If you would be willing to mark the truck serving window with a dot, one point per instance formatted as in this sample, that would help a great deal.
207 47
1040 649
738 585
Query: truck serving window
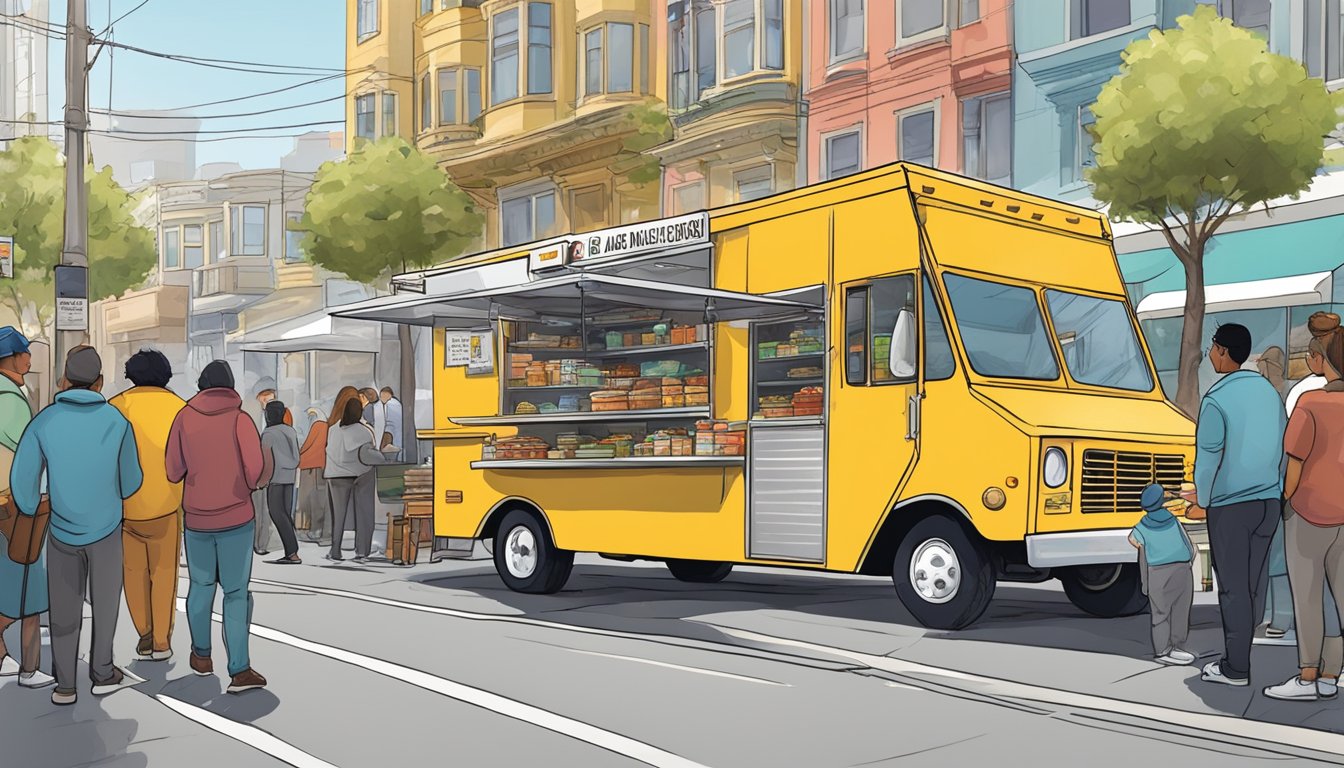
1002 329
1099 343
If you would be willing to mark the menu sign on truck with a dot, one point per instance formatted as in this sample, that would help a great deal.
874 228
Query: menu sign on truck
634 239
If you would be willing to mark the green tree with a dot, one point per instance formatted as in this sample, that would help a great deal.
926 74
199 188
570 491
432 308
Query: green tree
32 209
1202 121
387 208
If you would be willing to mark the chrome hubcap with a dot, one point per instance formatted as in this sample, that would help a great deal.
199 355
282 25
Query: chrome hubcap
521 552
935 572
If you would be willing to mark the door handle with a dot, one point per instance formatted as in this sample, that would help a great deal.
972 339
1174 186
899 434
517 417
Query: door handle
912 414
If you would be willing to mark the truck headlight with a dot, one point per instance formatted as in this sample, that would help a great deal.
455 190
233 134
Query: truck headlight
1055 468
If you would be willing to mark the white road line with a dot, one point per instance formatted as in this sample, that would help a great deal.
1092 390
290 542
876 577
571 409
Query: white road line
1260 731
247 734
696 670
502 705
1224 725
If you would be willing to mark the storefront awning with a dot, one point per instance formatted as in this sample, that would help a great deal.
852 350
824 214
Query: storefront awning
1293 291
314 332
415 309
569 295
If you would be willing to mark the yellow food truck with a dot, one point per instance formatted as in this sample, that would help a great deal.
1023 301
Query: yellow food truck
902 372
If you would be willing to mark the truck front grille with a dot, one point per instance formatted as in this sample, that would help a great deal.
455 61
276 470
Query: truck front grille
1112 481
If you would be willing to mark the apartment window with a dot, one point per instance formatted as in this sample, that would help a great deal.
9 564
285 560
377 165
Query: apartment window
538 47
473 94
753 183
367 19
968 11
1322 44
193 246
918 136
774 35
247 231
1094 17
218 247
921 19
844 154
1252 15
706 47
172 254
426 6
426 104
643 58
589 209
389 113
504 57
364 119
1083 155
846 29
293 238
447 97
688 198
620 58
678 55
592 62
739 37
986 133
527 217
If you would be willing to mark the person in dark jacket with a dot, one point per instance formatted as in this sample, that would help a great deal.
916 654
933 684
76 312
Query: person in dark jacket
280 452
214 447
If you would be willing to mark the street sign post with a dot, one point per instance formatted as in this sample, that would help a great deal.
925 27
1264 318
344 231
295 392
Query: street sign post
6 256
72 298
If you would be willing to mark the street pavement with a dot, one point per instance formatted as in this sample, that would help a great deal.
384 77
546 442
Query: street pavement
439 664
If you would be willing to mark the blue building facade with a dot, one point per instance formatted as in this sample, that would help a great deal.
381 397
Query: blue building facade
1268 270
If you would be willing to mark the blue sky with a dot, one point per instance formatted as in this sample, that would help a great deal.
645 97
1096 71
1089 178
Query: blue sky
294 32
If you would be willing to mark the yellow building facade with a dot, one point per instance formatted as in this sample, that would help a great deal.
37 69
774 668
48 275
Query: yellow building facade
541 111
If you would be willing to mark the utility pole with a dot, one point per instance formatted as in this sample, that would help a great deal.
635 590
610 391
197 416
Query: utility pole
71 279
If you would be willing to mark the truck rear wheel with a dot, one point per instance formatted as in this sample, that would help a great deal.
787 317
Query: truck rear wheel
699 571
943 575
526 556
1109 590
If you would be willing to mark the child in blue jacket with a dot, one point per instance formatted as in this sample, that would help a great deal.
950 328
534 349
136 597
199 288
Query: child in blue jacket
1165 559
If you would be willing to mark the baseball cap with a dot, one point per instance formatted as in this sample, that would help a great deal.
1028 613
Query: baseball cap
83 366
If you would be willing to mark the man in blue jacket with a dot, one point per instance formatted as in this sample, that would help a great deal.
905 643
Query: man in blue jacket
86 449
1238 453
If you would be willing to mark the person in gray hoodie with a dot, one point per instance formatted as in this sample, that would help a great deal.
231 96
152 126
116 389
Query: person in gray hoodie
280 454
351 457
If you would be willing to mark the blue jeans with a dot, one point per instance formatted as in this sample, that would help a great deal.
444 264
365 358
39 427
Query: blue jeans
223 558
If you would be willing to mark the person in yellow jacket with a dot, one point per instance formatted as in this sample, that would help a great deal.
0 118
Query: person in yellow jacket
152 531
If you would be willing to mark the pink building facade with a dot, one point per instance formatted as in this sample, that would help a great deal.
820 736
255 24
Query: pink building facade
927 81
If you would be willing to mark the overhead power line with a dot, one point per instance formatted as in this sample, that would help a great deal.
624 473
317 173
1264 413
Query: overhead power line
18 23
254 67
225 130
113 23
285 108
314 81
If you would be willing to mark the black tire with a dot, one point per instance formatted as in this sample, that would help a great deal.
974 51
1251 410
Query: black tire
1108 591
699 571
964 604
550 566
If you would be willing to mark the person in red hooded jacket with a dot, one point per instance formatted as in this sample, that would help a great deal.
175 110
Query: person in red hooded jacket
215 450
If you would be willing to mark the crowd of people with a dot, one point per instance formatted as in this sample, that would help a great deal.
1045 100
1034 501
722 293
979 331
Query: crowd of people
133 478
1268 478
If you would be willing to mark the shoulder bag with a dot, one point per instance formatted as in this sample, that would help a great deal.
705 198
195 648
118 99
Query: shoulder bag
25 533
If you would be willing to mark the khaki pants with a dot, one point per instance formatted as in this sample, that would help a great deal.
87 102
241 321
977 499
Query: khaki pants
1315 558
150 552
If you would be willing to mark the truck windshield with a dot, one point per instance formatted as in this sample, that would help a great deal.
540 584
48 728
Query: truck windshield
1099 342
1002 329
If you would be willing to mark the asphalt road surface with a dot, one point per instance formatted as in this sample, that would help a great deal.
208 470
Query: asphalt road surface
440 665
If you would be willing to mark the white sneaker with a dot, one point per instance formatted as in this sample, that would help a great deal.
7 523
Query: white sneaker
1176 658
38 679
1213 673
1294 689
161 655
9 667
1327 688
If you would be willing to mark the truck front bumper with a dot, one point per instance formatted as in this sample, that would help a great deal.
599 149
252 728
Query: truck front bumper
1057 550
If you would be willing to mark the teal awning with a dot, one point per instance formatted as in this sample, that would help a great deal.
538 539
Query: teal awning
1264 253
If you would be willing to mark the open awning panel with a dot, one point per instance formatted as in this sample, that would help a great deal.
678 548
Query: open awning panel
576 294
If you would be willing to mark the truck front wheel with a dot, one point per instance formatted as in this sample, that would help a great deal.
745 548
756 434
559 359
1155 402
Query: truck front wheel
943 575
526 557
1109 590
